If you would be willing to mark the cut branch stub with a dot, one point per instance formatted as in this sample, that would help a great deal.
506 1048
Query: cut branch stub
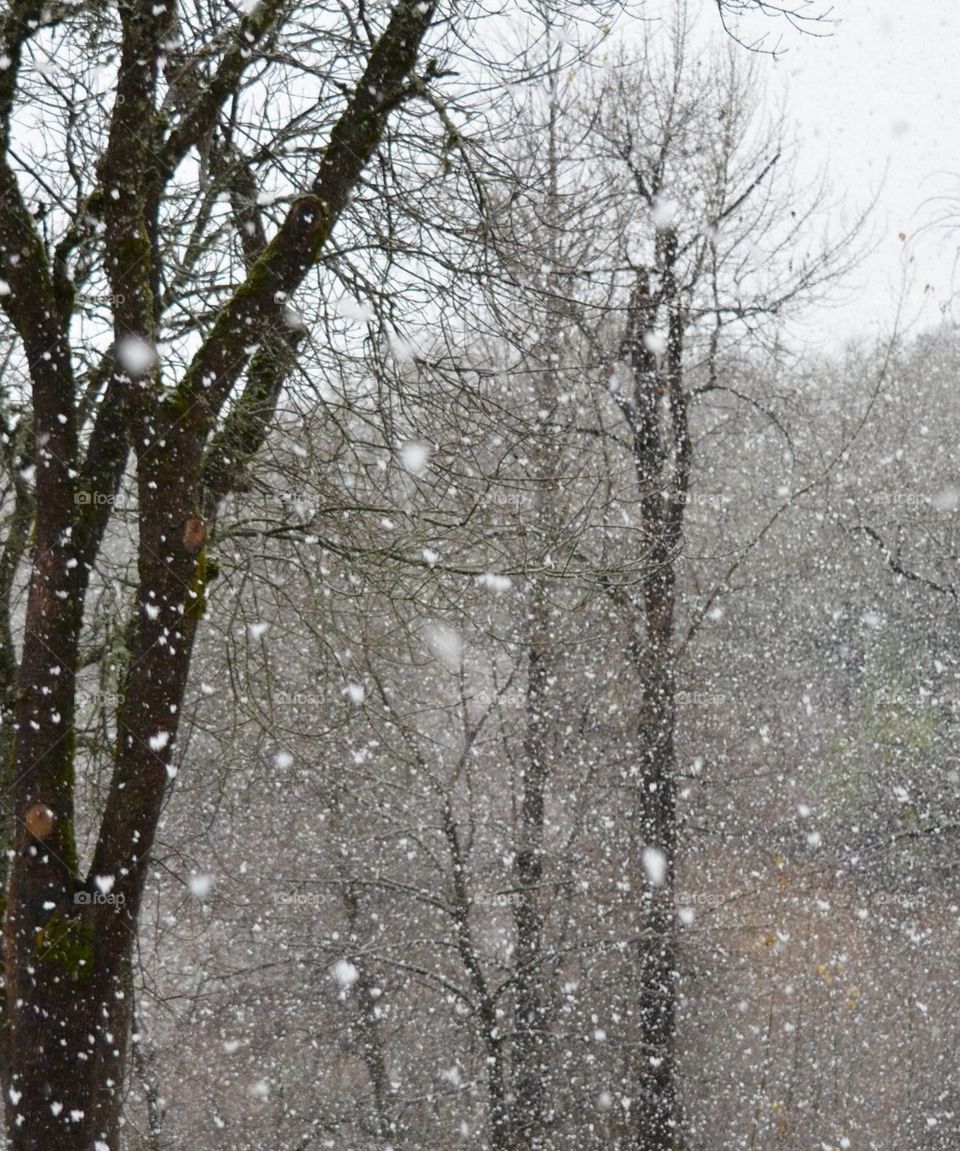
39 820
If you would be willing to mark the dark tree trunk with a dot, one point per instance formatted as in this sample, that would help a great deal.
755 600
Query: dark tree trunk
69 940
657 412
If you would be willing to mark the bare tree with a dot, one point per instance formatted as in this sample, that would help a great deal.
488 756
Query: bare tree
192 419
690 240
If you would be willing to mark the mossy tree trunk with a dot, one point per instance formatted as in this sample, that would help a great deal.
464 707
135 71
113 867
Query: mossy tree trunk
68 961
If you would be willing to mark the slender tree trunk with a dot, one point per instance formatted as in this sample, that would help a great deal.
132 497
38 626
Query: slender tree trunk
491 1033
661 461
531 1045
530 1007
371 1043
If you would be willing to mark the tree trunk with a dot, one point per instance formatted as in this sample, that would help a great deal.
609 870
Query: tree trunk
530 1007
69 941
661 463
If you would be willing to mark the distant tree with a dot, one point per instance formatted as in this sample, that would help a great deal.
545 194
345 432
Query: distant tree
666 231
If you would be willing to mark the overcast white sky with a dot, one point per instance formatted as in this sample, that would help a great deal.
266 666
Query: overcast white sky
877 103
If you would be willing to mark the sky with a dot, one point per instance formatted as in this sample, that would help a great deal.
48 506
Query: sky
875 103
